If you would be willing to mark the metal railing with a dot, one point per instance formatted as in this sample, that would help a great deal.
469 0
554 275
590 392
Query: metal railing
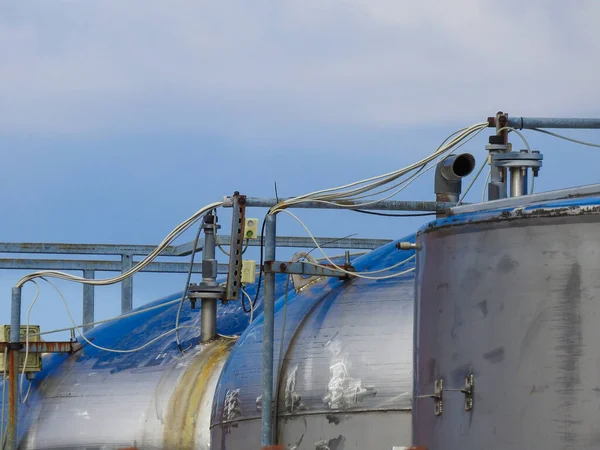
126 259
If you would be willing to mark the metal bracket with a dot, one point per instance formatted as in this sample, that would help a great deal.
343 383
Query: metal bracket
438 397
468 391
303 268
234 273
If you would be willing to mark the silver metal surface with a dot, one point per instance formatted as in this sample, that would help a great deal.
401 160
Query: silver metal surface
518 181
514 302
583 191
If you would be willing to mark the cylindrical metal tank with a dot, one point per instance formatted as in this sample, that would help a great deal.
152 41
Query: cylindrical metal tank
506 329
155 398
343 366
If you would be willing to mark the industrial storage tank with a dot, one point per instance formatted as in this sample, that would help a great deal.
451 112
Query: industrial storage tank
153 398
346 361
506 325
343 368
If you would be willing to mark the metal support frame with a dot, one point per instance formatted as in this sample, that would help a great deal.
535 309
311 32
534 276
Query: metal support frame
126 284
388 205
523 123
88 300
90 267
267 437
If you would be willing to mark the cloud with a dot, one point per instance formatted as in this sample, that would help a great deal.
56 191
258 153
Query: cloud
265 67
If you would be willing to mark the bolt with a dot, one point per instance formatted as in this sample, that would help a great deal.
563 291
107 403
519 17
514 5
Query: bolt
282 267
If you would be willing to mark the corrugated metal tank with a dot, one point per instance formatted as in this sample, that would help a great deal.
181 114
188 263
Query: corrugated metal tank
345 377
511 296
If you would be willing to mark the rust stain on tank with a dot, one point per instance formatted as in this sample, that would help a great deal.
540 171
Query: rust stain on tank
184 404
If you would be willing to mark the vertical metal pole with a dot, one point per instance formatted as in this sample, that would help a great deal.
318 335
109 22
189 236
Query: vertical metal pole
268 335
13 367
88 300
208 318
126 285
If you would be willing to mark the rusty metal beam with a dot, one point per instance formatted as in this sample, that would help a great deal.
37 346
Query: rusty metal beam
41 347
302 268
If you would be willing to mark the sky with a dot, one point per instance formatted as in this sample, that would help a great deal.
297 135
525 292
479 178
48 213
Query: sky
118 120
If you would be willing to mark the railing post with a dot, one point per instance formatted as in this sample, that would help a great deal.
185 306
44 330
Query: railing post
126 285
13 366
88 300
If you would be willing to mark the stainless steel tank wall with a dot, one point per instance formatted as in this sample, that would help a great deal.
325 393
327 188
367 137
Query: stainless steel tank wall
152 398
514 299
345 379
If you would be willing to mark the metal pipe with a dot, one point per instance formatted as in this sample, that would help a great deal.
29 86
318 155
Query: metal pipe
558 122
208 319
268 335
518 181
126 285
389 205
88 300
13 365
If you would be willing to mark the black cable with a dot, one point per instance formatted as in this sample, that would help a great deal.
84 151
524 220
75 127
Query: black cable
260 267
375 213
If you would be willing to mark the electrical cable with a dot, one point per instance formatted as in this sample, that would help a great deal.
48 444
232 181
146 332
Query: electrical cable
521 135
180 229
377 213
245 294
226 253
355 274
187 284
333 241
331 195
133 350
111 319
485 183
566 138
472 182
260 266
37 296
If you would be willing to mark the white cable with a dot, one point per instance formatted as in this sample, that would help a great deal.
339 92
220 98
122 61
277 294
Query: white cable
521 135
374 182
37 296
560 136
385 269
180 229
133 350
485 183
251 303
355 274
473 180
112 319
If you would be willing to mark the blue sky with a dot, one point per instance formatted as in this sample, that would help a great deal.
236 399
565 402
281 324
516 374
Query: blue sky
120 119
